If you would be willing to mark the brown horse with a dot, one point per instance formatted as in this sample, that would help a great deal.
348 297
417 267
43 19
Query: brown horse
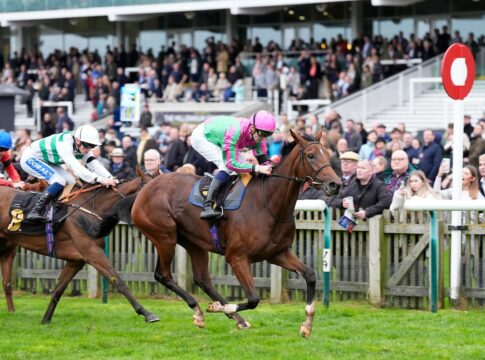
72 243
262 229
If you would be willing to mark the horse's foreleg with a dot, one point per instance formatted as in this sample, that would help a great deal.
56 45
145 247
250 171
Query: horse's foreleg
289 261
163 274
71 268
100 262
6 261
242 270
200 268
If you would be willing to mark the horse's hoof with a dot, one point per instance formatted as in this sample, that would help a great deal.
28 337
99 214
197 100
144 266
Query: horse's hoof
150 318
214 307
198 322
305 331
243 325
45 321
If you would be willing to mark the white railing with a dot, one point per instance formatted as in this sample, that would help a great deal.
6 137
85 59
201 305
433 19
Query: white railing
413 82
391 92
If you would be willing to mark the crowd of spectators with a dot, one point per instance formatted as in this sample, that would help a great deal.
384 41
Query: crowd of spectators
329 69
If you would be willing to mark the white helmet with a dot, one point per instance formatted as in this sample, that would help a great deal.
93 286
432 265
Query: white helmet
88 134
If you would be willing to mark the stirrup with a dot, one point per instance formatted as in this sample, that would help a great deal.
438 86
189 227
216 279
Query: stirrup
213 215
37 217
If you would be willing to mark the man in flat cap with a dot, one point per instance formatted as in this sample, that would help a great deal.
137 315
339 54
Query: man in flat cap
348 163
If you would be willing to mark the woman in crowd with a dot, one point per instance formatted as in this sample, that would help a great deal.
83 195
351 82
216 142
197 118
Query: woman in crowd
416 187
469 188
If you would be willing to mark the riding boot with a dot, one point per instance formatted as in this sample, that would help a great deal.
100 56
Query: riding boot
38 211
208 212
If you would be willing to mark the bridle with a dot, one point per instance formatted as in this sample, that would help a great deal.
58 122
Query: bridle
312 179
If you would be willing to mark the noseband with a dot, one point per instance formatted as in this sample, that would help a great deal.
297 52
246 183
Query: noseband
312 179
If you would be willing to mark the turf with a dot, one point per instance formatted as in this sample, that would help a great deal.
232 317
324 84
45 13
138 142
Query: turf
87 329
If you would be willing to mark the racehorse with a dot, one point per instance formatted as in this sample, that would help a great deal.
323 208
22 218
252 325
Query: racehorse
71 242
263 228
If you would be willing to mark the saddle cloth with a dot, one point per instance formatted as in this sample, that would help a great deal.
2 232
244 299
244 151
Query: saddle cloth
230 196
20 207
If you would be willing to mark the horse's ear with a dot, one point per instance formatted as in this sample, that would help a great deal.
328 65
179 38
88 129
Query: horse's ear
139 171
320 133
296 137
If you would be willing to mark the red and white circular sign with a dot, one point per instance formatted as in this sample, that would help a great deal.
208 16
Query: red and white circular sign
458 71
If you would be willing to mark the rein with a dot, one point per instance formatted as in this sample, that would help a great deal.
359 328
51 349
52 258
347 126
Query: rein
300 181
98 188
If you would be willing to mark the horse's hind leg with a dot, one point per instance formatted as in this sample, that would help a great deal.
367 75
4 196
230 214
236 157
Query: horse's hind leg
71 268
200 261
100 262
6 262
93 254
163 274
289 261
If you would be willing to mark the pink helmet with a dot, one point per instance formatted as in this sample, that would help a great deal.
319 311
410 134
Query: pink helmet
263 120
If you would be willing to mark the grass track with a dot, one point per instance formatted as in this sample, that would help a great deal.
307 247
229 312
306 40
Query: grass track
86 329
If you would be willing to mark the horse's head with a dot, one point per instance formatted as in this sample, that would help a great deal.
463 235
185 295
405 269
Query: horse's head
313 164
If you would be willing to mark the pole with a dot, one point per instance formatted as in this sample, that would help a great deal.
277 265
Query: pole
105 279
433 271
458 112
327 257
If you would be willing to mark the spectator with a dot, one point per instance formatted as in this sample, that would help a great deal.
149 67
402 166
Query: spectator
467 125
430 156
151 163
146 117
398 174
47 127
118 167
416 187
477 145
353 138
129 149
367 148
369 194
379 149
348 164
146 143
470 185
335 158
104 161
176 151
380 165
63 121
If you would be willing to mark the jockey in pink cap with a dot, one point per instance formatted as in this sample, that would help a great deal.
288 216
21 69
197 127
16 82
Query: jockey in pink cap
221 139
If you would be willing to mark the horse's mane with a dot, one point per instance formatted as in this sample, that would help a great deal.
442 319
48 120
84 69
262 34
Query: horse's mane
289 146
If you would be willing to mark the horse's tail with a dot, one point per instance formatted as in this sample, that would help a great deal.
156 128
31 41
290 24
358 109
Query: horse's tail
121 211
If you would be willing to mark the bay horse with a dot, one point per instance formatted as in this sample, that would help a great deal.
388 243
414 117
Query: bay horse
263 228
71 242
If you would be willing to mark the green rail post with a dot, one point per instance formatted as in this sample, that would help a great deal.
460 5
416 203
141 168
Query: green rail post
433 238
105 279
327 257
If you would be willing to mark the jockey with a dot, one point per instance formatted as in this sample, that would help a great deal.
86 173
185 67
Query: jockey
44 157
5 146
221 139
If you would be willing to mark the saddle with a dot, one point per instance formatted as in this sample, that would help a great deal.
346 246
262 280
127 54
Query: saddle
21 204
230 196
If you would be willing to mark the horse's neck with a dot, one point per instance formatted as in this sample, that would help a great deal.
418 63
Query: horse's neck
283 191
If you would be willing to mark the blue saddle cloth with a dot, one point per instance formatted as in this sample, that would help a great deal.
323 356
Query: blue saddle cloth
230 197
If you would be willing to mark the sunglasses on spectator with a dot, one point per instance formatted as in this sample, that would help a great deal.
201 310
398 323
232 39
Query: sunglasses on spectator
87 145
2 149
264 134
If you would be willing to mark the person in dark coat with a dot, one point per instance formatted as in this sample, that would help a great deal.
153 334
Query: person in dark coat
430 156
369 194
129 150
118 167
176 151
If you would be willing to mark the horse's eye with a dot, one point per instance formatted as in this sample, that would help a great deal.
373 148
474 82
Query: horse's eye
310 156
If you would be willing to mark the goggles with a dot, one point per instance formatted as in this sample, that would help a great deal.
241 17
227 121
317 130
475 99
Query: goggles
2 149
263 134
87 145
